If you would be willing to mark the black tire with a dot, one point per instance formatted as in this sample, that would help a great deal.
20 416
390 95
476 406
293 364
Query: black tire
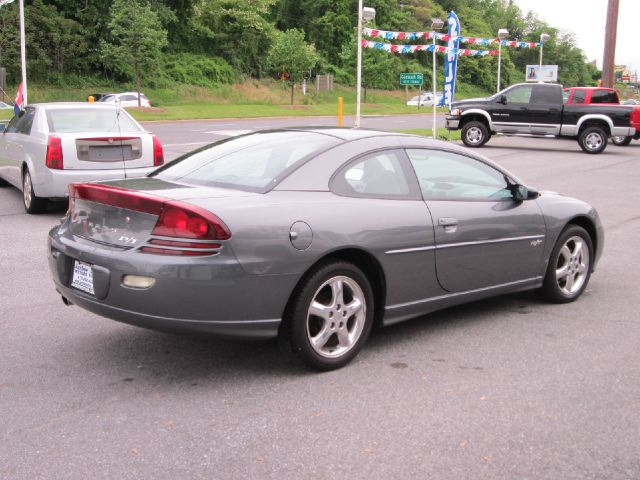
475 134
346 326
576 263
593 140
32 203
621 141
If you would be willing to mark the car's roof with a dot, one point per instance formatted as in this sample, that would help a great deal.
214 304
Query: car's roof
386 138
590 88
61 105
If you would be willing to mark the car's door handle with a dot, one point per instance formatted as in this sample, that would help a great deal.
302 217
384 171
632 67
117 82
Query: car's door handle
447 222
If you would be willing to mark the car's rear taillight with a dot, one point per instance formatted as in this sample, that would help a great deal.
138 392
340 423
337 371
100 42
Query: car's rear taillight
158 153
182 228
53 158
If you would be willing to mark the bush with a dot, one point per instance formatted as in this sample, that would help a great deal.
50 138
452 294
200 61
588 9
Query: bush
193 69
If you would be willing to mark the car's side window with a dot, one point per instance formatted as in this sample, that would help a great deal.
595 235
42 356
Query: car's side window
451 176
603 96
378 174
521 94
12 127
579 95
26 122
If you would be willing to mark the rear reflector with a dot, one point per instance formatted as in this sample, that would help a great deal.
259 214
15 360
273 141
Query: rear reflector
53 157
176 220
158 153
138 281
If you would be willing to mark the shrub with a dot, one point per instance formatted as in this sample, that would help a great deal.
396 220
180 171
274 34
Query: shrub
194 69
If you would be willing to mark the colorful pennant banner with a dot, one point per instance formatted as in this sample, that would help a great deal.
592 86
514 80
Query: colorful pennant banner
389 47
388 35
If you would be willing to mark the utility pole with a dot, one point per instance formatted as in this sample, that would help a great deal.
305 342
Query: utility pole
610 35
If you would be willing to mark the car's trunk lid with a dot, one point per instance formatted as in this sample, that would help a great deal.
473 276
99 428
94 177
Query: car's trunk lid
149 214
106 151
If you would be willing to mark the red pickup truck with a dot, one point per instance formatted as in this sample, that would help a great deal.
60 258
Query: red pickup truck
602 96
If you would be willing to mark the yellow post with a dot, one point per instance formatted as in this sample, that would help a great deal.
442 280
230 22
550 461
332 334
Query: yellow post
91 99
339 111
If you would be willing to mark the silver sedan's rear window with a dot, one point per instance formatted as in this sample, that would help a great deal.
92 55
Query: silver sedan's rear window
253 162
107 120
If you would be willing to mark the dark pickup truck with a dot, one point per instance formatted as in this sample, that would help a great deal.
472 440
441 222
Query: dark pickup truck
538 109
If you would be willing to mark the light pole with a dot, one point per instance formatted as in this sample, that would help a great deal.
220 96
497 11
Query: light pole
364 14
436 24
543 38
502 33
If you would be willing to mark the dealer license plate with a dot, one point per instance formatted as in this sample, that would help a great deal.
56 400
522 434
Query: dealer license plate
82 277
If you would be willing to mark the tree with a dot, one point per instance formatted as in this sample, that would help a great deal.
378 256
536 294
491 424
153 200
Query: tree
136 40
237 30
291 55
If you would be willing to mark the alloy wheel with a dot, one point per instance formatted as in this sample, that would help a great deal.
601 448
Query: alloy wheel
27 189
336 317
573 265
474 135
593 141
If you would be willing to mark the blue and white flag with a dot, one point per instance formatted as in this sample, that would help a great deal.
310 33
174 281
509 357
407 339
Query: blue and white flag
451 59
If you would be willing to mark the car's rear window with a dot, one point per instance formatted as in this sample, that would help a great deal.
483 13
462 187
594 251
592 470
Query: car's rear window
107 120
253 162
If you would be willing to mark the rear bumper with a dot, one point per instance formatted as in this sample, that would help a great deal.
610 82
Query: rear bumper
245 329
210 295
623 132
55 183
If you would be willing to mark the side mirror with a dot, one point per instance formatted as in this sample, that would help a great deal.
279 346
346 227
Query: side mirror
521 193
502 99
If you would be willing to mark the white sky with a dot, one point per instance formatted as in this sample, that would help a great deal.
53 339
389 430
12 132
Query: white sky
587 19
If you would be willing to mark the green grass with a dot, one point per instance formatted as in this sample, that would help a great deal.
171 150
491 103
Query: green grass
441 133
251 98
208 111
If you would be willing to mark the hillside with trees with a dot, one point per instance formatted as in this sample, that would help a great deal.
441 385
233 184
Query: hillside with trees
159 43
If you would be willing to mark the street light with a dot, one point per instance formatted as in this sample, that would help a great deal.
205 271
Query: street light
364 14
436 24
543 38
502 33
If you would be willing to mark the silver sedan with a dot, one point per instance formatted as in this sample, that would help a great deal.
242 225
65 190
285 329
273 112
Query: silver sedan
47 146
315 236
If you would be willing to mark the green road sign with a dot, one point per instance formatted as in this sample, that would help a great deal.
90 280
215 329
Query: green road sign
411 79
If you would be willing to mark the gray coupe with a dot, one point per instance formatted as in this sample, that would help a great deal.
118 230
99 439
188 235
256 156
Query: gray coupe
315 236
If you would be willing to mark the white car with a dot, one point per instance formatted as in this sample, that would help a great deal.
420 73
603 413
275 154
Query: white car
47 146
5 106
126 99
424 100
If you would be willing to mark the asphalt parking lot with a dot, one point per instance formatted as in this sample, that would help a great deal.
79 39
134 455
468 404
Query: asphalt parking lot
508 388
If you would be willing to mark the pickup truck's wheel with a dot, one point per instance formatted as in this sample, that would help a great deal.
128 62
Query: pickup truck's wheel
621 141
593 140
475 134
32 204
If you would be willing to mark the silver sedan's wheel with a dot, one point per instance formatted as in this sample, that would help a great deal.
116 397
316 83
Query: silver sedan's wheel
329 316
32 204
569 266
336 317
